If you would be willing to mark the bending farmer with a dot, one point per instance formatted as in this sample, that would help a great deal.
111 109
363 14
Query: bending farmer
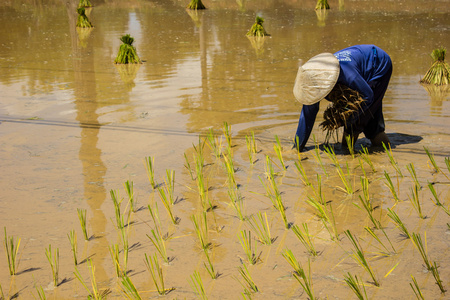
364 69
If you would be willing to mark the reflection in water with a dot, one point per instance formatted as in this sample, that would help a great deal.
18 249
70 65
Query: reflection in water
438 94
94 169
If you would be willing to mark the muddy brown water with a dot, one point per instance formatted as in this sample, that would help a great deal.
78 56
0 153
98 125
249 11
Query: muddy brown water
74 126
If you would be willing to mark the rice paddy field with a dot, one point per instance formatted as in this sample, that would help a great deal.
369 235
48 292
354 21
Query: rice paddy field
176 178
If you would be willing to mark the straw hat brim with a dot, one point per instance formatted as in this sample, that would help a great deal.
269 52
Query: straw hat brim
316 78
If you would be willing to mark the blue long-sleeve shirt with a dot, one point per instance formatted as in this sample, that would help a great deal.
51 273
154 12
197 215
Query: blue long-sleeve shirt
360 67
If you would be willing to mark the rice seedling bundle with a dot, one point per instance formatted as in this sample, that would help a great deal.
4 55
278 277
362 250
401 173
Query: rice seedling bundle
439 72
257 29
84 3
322 4
345 104
196 4
83 20
127 52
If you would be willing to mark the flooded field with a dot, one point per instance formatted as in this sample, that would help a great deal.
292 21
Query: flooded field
75 129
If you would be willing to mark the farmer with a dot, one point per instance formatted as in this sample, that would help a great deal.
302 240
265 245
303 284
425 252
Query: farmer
365 69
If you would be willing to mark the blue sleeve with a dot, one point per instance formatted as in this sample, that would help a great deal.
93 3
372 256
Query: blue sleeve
306 124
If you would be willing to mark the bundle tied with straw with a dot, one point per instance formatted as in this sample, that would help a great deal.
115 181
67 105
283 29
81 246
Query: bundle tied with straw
345 103
257 28
322 4
83 21
439 72
127 52
196 4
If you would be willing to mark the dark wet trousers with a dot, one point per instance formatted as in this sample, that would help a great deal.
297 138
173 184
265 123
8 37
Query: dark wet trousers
371 122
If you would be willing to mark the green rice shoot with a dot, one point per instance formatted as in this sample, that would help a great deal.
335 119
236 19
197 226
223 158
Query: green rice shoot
257 28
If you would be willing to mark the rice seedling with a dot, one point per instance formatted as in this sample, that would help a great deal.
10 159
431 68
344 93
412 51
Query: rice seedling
290 258
129 189
432 160
391 187
305 238
437 278
414 198
375 236
158 241
83 20
187 165
127 52
12 249
347 183
227 134
322 4
54 263
94 293
120 223
167 202
245 239
416 289
350 140
196 4
398 222
437 202
114 252
417 241
366 202
279 151
128 288
229 167
317 156
82 219
261 226
250 284
209 266
251 146
257 28
305 280
236 202
149 166
72 235
156 272
301 170
331 155
356 286
327 218
439 72
84 3
412 171
201 229
393 162
39 290
124 236
212 141
197 285
365 156
170 183
359 257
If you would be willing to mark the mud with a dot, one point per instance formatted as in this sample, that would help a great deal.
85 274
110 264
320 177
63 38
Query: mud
74 126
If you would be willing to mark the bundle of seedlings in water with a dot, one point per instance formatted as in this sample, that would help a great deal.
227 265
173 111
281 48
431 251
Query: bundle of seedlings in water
439 72
345 104
85 3
83 21
127 52
196 4
322 4
257 28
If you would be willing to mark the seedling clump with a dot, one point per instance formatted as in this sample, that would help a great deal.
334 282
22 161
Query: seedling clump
127 52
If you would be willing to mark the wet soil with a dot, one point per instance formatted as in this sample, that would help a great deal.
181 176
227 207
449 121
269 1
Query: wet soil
74 126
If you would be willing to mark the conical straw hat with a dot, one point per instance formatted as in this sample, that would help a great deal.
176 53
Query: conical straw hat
316 78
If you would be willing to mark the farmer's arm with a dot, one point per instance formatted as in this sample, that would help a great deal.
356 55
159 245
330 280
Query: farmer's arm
305 125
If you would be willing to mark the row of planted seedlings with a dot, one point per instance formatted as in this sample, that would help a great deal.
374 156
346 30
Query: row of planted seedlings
356 175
